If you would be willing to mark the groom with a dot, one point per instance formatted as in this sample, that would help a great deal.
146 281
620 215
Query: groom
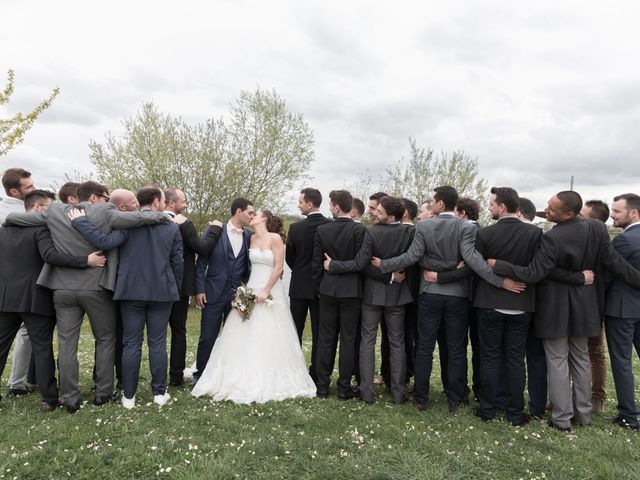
218 276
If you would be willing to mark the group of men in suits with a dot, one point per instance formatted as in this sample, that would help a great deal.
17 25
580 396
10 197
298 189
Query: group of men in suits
534 297
128 261
125 260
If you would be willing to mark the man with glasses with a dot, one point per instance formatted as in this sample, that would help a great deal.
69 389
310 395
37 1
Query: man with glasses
76 292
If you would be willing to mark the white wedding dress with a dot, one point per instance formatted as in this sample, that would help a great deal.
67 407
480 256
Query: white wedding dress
260 359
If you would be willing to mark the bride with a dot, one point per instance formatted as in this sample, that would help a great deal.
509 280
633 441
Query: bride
260 359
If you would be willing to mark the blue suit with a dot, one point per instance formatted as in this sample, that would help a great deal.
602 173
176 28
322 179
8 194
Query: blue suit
622 325
218 276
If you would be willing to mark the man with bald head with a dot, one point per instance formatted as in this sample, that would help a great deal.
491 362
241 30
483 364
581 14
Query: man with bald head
124 200
567 310
176 204
76 292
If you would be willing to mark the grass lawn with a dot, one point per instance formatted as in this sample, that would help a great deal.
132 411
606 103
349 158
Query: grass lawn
194 438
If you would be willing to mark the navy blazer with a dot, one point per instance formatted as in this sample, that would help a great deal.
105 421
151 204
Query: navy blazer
623 301
220 271
150 262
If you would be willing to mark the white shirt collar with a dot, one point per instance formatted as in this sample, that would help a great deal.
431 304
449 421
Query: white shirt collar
632 225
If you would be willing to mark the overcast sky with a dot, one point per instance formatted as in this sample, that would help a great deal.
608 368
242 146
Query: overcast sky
538 91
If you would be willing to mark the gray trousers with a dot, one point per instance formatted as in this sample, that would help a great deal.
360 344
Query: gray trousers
567 361
21 359
71 305
393 317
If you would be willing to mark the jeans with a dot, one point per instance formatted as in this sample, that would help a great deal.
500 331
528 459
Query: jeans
433 311
502 342
135 315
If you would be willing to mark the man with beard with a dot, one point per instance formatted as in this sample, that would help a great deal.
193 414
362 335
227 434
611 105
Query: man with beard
622 312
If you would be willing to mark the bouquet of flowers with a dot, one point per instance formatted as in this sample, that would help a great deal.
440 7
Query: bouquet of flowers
244 301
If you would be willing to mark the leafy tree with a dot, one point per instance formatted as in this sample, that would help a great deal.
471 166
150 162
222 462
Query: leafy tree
415 177
260 153
13 129
424 170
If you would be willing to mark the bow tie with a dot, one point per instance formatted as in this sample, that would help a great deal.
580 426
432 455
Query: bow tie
238 231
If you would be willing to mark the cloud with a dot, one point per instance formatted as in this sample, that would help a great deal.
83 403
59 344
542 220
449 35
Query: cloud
538 92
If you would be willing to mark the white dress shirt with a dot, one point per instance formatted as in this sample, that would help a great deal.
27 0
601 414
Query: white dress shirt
632 225
236 237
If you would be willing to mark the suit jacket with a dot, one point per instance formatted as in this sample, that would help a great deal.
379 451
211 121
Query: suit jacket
151 263
70 242
382 241
513 241
445 239
299 253
23 252
192 244
220 271
341 240
622 300
562 309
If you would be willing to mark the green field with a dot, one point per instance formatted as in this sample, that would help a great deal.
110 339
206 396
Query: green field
193 438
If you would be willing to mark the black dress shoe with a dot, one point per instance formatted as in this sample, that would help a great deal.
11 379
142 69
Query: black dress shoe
522 421
72 407
100 401
322 394
624 423
20 392
562 429
480 415
347 395
47 407
176 382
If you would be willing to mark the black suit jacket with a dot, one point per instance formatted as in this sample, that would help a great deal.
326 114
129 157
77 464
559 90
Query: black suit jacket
299 253
341 240
382 241
23 252
563 309
513 241
192 245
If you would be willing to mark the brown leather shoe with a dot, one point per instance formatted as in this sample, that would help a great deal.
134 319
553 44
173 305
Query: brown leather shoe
419 406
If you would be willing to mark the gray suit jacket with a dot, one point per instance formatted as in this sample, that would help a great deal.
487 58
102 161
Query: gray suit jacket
68 241
445 239
382 241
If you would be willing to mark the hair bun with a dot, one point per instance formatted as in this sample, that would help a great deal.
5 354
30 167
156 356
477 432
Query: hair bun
275 224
